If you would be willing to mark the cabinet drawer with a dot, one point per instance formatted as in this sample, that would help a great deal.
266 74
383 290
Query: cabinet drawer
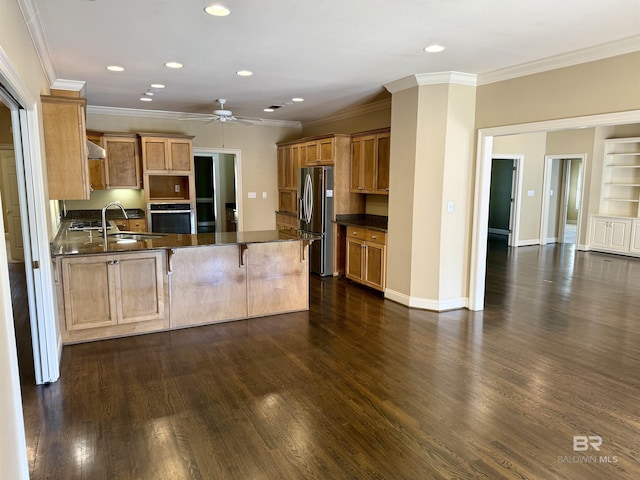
376 236
356 232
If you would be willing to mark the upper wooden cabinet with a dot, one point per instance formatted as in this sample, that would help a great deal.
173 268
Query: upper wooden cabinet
318 152
65 140
122 164
370 162
97 174
164 153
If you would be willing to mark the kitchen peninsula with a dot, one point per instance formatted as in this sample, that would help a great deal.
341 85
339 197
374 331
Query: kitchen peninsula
148 282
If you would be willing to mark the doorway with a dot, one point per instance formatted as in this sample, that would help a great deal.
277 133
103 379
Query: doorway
504 191
563 181
217 190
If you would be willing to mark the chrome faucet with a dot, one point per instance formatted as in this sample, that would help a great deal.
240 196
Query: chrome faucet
104 218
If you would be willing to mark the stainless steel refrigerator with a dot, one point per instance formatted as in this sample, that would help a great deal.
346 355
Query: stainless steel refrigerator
315 212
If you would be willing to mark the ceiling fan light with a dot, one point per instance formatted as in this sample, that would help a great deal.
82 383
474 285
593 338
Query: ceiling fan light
217 10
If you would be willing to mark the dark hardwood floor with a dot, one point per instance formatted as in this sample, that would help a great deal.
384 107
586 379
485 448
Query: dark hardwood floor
362 388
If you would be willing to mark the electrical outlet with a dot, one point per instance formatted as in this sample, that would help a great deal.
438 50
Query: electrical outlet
176 188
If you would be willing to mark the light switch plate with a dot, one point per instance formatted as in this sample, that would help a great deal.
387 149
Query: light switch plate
531 193
252 194
264 194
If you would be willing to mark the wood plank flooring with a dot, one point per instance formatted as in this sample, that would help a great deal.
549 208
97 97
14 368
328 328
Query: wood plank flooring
362 388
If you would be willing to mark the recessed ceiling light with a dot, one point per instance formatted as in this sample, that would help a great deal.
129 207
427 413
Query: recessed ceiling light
149 93
244 73
269 110
434 48
115 68
297 99
173 65
217 10
146 99
157 85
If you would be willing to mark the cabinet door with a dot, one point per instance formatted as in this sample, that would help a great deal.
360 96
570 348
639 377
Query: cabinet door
599 230
325 149
155 155
620 235
383 155
356 165
311 154
181 157
283 159
137 225
123 162
369 164
66 147
634 246
294 165
97 177
288 201
375 263
354 259
89 292
140 287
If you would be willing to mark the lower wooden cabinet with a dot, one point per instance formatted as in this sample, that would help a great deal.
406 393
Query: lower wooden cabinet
286 222
109 295
366 257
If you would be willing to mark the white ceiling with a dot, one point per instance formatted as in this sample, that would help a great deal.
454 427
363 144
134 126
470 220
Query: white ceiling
336 54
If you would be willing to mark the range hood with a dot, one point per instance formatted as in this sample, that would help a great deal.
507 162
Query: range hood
95 151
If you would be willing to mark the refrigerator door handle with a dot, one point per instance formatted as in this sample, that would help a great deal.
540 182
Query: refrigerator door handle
308 198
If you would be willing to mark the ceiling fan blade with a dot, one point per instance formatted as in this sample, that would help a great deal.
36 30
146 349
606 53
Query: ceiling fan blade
199 118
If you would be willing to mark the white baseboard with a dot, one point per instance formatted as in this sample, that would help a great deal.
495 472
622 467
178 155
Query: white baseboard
551 240
528 243
426 303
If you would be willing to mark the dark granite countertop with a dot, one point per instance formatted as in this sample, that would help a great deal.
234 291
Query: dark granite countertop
69 242
112 214
374 222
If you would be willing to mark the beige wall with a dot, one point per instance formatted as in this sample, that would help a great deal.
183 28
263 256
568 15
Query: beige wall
603 86
532 146
258 155
17 47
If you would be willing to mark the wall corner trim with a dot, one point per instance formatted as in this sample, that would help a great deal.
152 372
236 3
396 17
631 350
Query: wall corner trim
436 78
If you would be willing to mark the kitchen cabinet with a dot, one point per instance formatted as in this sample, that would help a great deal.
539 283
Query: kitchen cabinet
122 165
64 131
130 225
370 162
286 222
97 177
288 172
366 256
325 150
634 244
612 234
109 295
162 153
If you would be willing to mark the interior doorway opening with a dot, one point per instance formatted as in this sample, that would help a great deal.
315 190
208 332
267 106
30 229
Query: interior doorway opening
504 191
563 192
217 190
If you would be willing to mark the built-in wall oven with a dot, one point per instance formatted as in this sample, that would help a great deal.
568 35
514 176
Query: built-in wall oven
171 218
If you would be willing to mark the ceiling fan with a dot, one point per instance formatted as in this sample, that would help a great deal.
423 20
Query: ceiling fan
223 116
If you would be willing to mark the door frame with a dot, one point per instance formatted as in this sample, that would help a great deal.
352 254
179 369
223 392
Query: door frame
546 189
206 152
516 189
46 338
484 154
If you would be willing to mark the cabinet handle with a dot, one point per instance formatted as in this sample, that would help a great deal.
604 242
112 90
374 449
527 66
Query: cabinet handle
114 262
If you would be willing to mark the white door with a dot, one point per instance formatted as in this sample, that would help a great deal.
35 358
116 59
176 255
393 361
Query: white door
12 204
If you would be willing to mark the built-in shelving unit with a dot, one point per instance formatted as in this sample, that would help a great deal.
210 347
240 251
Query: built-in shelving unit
620 194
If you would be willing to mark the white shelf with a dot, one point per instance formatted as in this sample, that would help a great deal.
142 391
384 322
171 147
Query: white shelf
615 184
620 193
611 199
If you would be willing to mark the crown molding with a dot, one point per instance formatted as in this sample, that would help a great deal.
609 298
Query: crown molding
12 81
591 54
353 112
73 85
34 27
436 78
166 115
